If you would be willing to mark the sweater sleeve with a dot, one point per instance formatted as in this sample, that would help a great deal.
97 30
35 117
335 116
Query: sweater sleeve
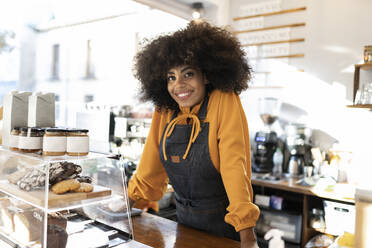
235 167
150 181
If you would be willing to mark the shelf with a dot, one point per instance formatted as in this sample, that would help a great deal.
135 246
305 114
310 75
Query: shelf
37 157
358 67
271 13
366 67
293 25
367 106
274 42
301 55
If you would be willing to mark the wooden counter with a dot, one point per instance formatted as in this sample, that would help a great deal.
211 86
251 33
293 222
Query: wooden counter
155 231
339 192
159 232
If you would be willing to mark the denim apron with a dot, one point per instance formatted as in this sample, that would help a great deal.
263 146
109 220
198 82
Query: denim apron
201 198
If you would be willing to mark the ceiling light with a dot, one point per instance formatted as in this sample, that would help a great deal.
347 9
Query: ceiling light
197 9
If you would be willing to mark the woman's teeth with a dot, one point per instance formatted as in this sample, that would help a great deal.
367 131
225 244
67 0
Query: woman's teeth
183 94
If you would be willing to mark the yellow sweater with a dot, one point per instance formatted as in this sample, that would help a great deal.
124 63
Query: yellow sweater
229 151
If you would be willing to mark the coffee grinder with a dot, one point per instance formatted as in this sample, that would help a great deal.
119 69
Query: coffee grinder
266 140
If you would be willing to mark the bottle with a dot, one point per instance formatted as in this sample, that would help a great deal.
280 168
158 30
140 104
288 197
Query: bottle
278 162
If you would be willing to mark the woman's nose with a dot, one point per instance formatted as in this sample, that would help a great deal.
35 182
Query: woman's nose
180 81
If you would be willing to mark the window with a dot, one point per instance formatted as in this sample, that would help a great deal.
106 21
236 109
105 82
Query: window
89 69
55 62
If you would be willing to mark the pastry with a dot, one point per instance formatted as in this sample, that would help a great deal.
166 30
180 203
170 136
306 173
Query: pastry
56 236
32 179
65 186
6 216
16 176
57 219
63 170
84 187
27 225
84 179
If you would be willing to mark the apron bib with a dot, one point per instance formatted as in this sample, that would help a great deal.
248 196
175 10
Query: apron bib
201 198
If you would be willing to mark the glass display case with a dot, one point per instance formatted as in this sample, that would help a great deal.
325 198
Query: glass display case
83 204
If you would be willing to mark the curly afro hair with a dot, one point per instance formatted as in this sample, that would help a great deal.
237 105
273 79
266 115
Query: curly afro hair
213 50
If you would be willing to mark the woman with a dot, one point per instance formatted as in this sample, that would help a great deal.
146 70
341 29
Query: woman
198 141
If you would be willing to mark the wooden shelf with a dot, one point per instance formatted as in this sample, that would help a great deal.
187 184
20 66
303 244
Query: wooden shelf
293 25
357 69
271 13
366 67
275 42
367 106
300 55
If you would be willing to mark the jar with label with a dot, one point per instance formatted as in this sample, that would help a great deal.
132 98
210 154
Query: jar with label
54 142
30 139
317 219
13 140
77 142
368 54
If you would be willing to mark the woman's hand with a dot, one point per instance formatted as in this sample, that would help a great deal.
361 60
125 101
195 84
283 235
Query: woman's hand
248 238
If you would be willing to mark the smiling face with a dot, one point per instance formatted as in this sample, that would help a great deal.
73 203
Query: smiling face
186 85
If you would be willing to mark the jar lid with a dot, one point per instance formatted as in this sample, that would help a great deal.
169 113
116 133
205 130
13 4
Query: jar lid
56 129
77 130
31 129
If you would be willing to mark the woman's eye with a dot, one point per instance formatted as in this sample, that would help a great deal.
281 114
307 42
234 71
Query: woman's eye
189 74
171 78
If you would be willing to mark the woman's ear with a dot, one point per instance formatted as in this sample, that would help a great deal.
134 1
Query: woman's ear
205 80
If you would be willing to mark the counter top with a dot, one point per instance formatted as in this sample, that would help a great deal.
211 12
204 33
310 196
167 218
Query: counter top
159 232
339 192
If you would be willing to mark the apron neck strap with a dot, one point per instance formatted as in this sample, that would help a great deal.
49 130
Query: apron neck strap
202 112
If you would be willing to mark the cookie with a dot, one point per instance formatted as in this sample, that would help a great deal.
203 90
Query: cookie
85 188
65 186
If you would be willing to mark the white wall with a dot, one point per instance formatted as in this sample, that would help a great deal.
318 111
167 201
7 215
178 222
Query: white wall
336 32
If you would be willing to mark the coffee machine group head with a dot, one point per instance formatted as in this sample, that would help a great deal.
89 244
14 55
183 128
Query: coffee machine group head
266 140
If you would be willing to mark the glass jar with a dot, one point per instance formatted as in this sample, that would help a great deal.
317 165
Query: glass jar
30 139
368 54
317 219
77 142
13 140
54 142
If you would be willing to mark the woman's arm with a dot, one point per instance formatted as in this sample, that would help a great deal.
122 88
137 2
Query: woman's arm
248 238
150 181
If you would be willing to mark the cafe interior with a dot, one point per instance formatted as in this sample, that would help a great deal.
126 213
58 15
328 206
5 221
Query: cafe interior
308 108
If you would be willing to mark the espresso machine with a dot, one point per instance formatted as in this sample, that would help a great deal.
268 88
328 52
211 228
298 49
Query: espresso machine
266 140
297 150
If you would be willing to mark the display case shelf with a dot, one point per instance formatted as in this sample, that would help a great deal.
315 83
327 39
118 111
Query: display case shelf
29 216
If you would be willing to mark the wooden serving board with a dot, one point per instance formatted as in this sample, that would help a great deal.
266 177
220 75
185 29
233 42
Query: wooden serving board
54 200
